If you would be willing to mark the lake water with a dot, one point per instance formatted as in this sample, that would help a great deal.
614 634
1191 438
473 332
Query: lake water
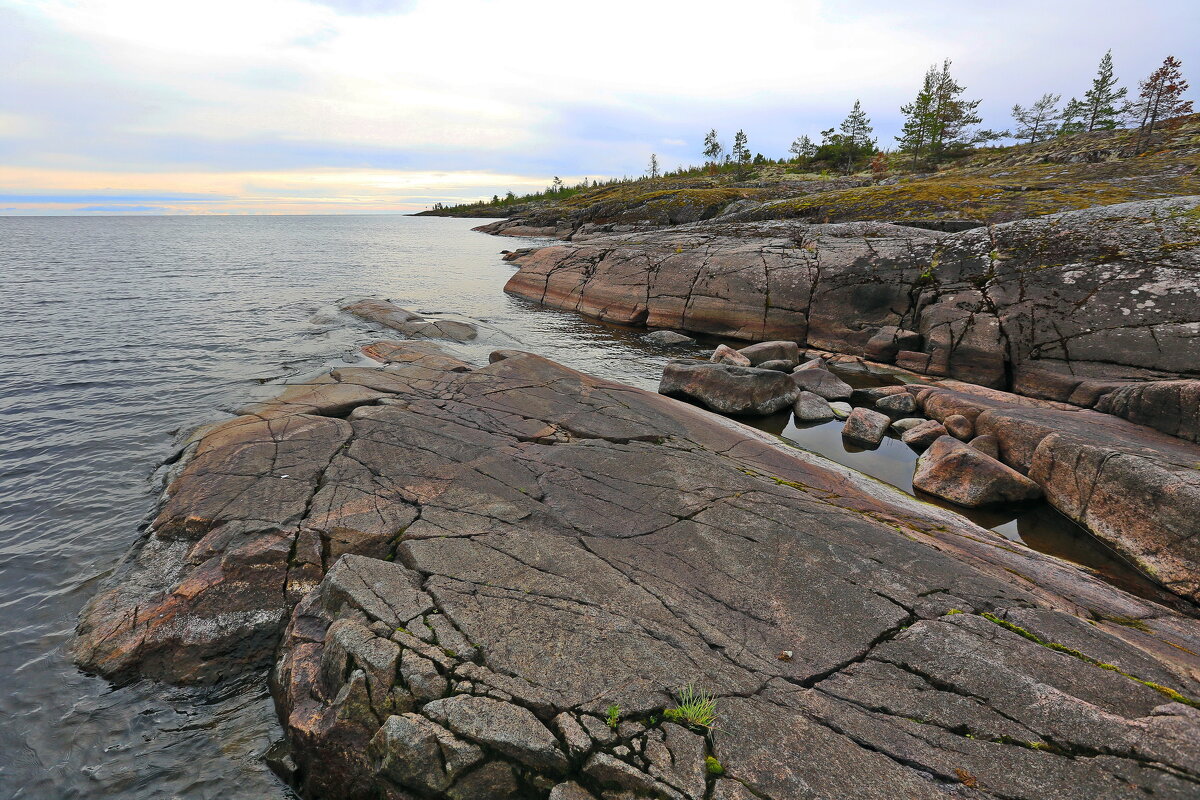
118 334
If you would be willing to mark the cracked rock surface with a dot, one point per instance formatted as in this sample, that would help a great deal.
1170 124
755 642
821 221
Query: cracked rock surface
1102 293
468 573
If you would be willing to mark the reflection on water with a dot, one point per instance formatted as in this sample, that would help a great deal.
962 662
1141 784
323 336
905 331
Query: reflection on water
1037 525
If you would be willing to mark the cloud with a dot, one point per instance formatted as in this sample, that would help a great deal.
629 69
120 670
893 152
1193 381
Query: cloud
524 89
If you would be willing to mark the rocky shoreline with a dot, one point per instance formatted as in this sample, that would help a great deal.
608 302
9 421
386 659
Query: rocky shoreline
472 567
514 580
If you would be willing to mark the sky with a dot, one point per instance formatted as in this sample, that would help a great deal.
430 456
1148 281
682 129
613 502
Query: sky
388 106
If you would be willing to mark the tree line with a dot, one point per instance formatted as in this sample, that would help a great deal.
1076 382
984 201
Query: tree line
940 123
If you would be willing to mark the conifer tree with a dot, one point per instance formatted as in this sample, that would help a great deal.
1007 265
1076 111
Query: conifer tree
1104 103
1160 97
1073 121
652 169
741 152
914 136
803 149
939 122
1036 123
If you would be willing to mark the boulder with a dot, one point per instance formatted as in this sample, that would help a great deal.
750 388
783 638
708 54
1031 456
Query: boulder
922 435
727 355
811 407
902 426
959 426
959 473
873 394
729 389
866 427
822 382
814 363
897 404
779 365
840 409
772 351
668 338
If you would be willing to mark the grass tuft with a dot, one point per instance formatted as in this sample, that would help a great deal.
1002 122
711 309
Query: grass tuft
697 707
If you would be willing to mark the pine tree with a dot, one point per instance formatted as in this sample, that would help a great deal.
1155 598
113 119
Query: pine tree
803 149
939 122
857 140
1160 98
652 169
914 136
741 152
1036 122
1104 103
1072 118
713 149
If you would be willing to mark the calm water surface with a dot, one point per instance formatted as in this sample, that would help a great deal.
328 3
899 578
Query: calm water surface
118 333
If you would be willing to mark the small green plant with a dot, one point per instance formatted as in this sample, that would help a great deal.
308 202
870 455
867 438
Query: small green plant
613 716
713 767
696 707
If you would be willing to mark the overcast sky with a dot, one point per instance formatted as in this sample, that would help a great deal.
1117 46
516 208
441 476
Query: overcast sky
366 106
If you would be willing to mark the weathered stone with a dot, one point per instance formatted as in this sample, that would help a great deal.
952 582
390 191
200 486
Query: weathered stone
581 544
570 791
493 781
903 426
911 360
815 363
725 354
922 435
811 407
392 316
957 472
866 427
421 676
1100 292
611 772
510 729
668 338
573 733
959 427
873 394
1172 407
676 757
897 404
778 365
890 340
413 751
987 444
822 382
728 389
840 409
772 351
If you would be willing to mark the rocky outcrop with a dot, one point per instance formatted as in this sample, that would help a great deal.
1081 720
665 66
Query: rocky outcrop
1134 488
1106 292
410 323
477 573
